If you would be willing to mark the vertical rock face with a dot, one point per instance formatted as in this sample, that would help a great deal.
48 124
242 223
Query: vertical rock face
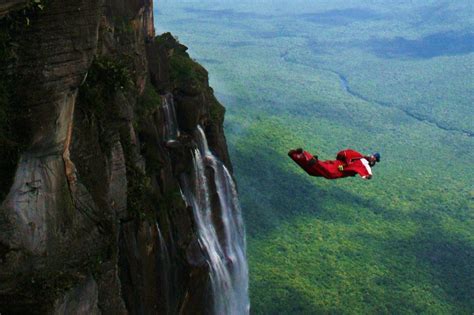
92 217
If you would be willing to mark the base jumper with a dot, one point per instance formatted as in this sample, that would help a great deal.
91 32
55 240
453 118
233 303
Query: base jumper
348 163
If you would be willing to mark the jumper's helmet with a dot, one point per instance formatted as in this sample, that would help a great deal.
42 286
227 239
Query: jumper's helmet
376 155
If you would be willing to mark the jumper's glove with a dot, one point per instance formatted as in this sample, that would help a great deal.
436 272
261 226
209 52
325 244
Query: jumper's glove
341 168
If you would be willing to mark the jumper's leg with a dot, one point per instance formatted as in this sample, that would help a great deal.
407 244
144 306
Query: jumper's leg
306 161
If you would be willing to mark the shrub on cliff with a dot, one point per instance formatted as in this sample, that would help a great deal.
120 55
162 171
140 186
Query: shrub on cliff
105 77
186 75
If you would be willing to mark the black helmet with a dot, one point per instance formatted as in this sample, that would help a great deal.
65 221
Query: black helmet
376 155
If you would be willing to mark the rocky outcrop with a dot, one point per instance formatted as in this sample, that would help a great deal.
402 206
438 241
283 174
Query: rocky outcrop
92 218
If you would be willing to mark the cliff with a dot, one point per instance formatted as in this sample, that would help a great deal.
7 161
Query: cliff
100 134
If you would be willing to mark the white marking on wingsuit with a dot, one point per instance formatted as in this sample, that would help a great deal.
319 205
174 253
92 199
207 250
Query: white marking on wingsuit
367 166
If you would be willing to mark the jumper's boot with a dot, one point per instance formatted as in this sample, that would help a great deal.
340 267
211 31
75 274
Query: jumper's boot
297 151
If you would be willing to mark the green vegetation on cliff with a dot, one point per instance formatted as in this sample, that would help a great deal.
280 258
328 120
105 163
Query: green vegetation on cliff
186 75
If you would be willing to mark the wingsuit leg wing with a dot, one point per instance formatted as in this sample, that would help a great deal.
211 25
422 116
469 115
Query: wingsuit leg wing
314 167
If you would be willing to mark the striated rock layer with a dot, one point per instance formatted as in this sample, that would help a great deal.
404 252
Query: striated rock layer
92 220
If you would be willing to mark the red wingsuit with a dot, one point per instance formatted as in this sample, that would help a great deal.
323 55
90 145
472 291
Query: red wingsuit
352 161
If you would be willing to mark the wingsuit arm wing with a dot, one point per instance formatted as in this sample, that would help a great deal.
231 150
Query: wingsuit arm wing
360 167
348 156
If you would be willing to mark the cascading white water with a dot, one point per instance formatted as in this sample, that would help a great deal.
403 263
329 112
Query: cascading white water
171 125
226 256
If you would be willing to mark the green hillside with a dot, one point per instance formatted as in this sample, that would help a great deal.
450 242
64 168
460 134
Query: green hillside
396 78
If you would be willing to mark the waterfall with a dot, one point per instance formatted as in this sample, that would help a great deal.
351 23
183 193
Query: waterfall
225 255
171 125
165 271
